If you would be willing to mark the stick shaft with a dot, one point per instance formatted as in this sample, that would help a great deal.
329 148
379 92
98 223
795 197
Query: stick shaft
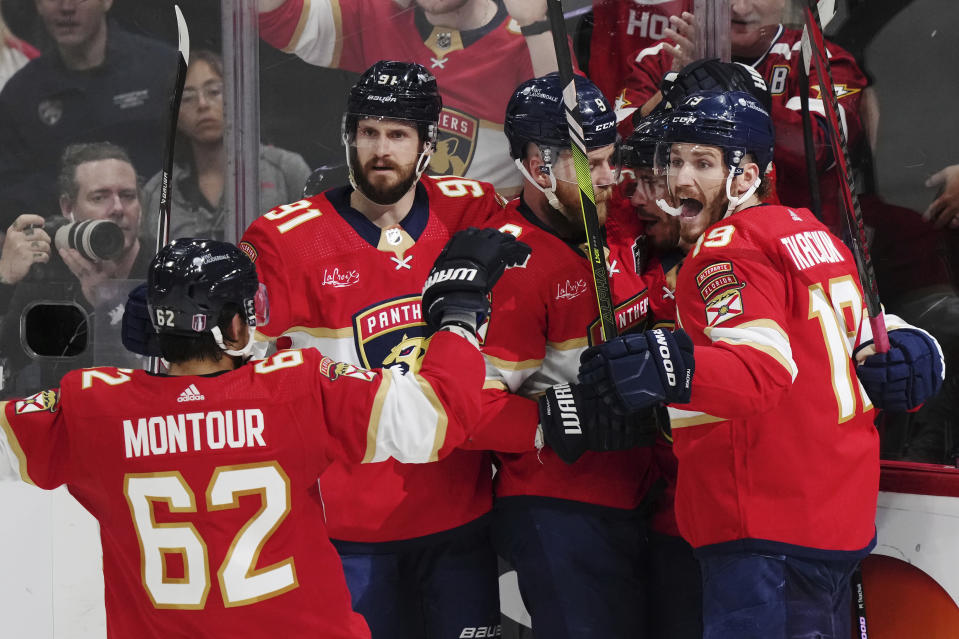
852 210
594 241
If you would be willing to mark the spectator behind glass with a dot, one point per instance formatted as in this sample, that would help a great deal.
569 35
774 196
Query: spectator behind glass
97 182
621 29
758 39
199 175
99 82
478 50
14 53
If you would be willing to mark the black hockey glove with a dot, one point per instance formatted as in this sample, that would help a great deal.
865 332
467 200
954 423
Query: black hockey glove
712 75
457 289
635 372
575 420
136 331
906 376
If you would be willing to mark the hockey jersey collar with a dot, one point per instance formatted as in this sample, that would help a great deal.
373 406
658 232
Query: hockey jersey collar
414 222
468 37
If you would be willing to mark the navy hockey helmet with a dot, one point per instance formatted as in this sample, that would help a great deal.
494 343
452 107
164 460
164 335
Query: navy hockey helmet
734 121
535 113
191 281
397 91
639 149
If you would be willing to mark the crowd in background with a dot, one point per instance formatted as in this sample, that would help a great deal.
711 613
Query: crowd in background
83 110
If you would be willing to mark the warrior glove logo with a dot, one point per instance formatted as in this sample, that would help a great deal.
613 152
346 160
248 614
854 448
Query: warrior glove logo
461 274
665 357
567 409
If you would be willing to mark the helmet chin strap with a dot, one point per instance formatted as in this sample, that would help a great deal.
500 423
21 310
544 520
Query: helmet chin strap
246 352
550 192
736 201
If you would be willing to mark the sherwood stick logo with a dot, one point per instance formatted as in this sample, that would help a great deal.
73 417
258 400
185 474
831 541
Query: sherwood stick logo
664 354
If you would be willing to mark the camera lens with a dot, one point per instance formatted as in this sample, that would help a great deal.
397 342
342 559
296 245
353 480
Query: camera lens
93 239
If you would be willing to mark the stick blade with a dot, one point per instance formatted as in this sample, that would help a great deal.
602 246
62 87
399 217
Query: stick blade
182 35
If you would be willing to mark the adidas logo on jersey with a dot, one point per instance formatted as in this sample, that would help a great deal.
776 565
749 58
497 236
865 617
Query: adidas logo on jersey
190 394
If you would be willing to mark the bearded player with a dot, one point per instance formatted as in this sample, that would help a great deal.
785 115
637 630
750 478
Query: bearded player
772 418
204 480
345 269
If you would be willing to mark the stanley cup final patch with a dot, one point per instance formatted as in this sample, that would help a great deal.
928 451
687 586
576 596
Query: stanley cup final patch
43 401
723 307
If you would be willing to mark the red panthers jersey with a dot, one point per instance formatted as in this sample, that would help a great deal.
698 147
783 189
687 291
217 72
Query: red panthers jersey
339 283
621 28
777 444
780 66
544 315
205 486
476 70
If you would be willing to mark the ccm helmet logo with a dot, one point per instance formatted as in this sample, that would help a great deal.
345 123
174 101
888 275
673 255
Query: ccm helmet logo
604 126
664 355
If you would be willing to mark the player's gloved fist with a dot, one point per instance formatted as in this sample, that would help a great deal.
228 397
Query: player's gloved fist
137 330
574 419
911 372
464 273
710 74
637 371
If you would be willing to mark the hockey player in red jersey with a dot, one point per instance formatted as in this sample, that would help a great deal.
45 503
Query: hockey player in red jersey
759 40
571 530
345 270
479 50
778 455
204 480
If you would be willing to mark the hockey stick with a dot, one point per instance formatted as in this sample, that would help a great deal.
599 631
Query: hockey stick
163 221
587 199
183 59
814 47
812 175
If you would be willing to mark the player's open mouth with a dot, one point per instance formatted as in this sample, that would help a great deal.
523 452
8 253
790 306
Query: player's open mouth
690 207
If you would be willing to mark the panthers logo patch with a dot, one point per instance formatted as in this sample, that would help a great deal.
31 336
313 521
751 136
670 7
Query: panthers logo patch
455 144
391 334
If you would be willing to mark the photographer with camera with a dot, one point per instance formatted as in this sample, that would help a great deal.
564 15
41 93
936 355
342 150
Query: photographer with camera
54 272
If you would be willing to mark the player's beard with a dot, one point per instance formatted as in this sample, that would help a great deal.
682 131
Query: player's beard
383 194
